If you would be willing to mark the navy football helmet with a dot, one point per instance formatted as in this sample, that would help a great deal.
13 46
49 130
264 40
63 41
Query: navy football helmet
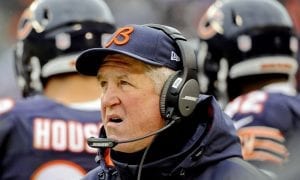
51 33
242 38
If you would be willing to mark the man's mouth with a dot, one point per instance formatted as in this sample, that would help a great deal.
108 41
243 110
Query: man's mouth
115 120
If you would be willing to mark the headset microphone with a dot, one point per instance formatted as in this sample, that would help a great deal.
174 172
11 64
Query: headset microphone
110 143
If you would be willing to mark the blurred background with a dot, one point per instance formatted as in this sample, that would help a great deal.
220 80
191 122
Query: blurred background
182 14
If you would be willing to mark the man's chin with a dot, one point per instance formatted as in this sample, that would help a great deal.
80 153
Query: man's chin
132 147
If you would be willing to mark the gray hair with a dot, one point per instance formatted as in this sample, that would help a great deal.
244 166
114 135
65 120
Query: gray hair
159 75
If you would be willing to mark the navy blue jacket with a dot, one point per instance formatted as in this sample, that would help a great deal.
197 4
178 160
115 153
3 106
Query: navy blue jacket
204 146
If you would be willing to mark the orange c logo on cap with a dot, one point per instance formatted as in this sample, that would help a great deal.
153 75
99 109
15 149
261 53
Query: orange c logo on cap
211 22
124 33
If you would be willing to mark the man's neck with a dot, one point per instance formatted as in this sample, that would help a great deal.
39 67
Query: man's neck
72 88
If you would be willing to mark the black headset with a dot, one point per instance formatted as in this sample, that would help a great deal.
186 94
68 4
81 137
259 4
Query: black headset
179 96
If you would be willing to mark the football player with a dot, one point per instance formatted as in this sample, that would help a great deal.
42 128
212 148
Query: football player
249 64
44 135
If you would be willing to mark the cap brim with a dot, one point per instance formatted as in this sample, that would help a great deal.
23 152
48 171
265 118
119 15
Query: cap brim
89 62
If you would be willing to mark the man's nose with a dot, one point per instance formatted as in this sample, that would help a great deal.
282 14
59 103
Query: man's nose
110 97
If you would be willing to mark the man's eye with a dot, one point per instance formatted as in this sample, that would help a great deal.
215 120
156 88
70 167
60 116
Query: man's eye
124 82
102 83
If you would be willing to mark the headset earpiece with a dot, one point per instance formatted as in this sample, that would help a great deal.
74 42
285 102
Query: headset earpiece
176 99
165 109
179 96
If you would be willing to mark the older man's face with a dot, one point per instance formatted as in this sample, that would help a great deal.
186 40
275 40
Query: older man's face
130 104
